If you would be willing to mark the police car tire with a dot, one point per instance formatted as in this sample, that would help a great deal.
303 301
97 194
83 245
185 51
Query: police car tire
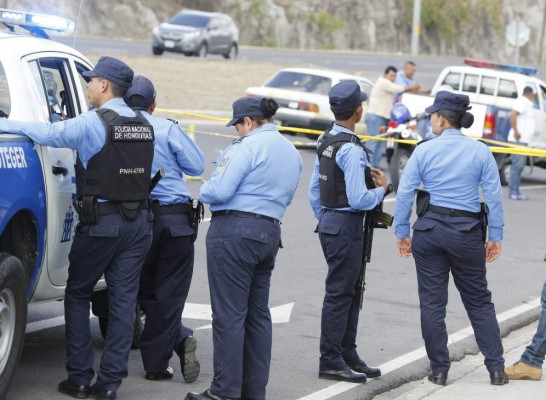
13 315
399 160
137 328
157 51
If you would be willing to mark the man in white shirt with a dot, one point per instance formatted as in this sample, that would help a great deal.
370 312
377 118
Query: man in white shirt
523 128
379 109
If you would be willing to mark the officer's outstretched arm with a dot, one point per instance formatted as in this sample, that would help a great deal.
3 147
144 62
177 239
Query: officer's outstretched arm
492 251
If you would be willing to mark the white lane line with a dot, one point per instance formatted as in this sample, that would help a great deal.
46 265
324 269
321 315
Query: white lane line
415 355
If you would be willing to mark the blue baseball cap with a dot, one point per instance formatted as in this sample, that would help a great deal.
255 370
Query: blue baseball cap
141 94
445 100
246 107
112 69
346 95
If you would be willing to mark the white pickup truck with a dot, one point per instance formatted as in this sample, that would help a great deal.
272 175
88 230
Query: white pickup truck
40 80
492 89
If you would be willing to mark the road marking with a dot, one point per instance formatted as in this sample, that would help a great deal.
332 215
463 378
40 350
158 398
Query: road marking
415 355
279 315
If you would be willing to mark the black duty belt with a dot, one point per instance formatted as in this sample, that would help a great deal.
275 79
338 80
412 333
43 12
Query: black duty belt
174 209
453 212
243 214
333 210
112 207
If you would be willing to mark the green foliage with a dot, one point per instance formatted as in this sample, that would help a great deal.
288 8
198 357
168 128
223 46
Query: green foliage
449 17
324 25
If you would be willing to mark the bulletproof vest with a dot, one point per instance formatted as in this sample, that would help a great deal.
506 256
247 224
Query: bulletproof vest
333 193
121 170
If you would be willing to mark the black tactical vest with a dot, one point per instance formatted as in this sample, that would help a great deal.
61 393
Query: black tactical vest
333 193
121 170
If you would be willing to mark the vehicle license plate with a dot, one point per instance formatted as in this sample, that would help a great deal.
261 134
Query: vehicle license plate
169 44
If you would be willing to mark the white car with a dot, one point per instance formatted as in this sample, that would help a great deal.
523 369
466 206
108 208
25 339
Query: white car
302 94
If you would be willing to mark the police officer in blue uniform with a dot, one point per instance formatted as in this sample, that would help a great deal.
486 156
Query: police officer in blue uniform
339 197
167 272
450 231
115 151
253 183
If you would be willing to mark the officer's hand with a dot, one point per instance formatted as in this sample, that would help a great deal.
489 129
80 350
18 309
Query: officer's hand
492 251
379 178
404 247
517 136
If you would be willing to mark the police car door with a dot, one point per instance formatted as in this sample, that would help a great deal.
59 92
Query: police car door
539 112
58 97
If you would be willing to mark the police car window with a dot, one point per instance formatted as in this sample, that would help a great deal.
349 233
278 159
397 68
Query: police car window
5 99
83 83
452 79
535 97
37 78
488 85
55 82
365 87
507 88
542 95
300 82
470 83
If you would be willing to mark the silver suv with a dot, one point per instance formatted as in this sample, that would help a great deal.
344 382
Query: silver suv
197 33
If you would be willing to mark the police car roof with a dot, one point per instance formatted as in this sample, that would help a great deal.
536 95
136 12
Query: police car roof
324 72
19 45
489 71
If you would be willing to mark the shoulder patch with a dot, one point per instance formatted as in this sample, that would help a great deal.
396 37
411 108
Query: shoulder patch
222 164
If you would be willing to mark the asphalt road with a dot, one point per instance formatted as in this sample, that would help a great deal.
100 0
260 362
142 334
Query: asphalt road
371 65
389 330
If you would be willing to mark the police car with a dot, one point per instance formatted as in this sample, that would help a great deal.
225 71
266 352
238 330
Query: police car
40 80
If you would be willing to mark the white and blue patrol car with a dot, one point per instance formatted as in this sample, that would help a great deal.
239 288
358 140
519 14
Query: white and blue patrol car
40 80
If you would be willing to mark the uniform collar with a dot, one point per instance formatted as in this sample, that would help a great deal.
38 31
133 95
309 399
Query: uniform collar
451 132
338 128
115 102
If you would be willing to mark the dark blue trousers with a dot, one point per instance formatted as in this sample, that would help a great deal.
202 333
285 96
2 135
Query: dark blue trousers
116 248
241 256
442 244
341 236
164 286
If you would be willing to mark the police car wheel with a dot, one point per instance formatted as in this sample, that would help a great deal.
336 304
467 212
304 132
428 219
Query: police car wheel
13 317
398 162
137 328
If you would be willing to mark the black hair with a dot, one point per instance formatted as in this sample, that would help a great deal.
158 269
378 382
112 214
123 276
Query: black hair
345 114
268 109
528 89
457 119
410 63
389 69
117 90
138 98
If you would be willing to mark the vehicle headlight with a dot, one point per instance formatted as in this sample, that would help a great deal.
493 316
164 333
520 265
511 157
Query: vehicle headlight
191 35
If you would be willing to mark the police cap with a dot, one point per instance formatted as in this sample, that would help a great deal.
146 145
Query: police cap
445 100
112 69
141 94
345 96
246 107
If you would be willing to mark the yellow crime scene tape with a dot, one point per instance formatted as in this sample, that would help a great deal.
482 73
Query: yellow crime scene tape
496 146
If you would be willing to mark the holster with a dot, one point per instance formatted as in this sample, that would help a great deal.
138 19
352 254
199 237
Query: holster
129 209
87 209
197 213
422 199
484 210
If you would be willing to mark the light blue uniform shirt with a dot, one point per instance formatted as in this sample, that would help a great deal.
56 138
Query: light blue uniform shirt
352 160
257 173
402 80
451 167
85 133
177 154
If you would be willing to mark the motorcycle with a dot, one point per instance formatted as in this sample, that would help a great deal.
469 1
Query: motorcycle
403 125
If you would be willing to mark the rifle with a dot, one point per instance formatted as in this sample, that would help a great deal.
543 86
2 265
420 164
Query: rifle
374 219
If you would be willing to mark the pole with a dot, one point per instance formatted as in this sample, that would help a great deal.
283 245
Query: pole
416 27
517 42
540 49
